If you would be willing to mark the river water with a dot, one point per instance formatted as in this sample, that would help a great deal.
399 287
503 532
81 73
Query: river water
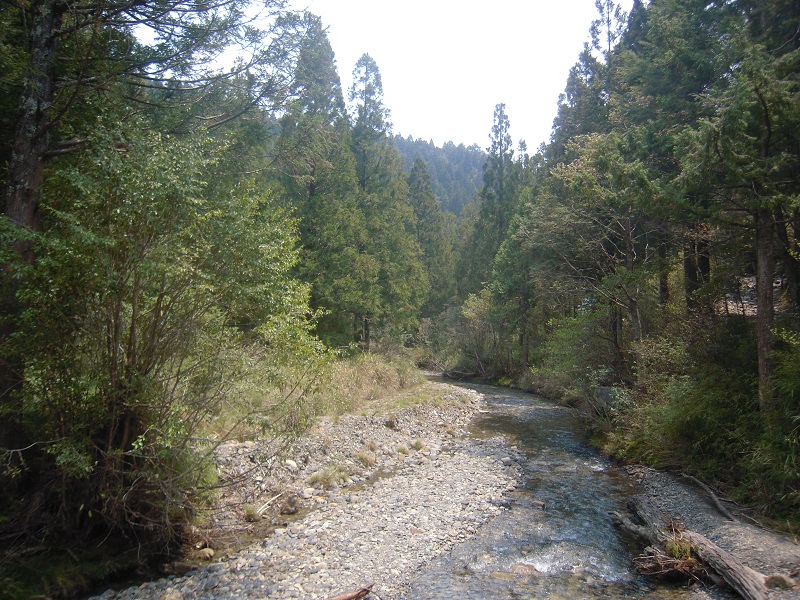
558 539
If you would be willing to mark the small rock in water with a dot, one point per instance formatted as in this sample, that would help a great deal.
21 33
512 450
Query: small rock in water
523 569
206 553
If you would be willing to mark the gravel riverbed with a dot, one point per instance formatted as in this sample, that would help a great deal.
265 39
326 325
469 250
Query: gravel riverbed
374 498
392 491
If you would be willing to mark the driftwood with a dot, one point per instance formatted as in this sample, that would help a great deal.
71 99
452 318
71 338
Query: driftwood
725 512
670 540
362 592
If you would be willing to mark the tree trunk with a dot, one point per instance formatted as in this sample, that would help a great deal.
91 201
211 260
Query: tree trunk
690 276
357 320
366 334
696 266
615 329
525 348
636 319
663 275
26 173
765 273
26 167
703 257
787 231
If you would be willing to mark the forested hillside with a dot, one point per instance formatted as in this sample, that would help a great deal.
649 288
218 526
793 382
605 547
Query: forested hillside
645 263
456 171
188 247
189 243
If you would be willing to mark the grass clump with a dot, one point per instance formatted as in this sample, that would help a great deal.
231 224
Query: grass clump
329 477
356 382
366 459
251 514
678 548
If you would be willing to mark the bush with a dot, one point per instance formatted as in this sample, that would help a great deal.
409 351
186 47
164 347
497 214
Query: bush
696 409
154 294
573 360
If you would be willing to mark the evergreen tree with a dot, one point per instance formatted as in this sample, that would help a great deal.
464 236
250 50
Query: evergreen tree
746 155
140 265
317 171
495 206
401 285
583 107
435 231
316 88
679 50
456 171
371 126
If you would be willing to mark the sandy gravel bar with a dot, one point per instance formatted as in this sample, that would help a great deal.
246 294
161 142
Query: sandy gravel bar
384 523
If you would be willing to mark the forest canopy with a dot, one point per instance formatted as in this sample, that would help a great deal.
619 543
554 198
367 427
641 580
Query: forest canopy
644 263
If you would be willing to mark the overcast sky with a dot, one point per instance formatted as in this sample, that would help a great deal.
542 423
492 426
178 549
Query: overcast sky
445 64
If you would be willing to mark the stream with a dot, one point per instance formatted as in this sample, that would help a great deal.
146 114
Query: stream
431 526
557 540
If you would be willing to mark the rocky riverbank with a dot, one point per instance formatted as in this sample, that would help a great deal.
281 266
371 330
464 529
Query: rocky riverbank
375 497
695 507
381 494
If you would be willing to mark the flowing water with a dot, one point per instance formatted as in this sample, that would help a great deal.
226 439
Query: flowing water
558 539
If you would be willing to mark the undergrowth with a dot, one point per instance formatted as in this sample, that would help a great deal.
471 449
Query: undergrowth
700 414
271 400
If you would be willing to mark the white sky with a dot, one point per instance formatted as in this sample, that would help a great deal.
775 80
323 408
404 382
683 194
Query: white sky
446 64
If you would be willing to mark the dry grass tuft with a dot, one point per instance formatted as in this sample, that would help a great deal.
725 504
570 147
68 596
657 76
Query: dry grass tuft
357 382
329 477
366 459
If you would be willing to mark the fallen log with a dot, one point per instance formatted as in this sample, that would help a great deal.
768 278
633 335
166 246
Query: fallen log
748 582
654 527
362 592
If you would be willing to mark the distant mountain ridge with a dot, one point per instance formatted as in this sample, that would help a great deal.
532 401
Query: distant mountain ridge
456 171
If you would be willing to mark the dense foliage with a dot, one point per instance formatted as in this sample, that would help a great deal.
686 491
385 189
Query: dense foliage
455 171
645 261
183 245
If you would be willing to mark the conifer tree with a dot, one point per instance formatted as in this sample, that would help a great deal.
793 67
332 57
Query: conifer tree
435 231
496 204
401 285
317 170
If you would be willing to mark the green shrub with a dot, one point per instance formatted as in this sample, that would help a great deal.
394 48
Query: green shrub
161 300
573 359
